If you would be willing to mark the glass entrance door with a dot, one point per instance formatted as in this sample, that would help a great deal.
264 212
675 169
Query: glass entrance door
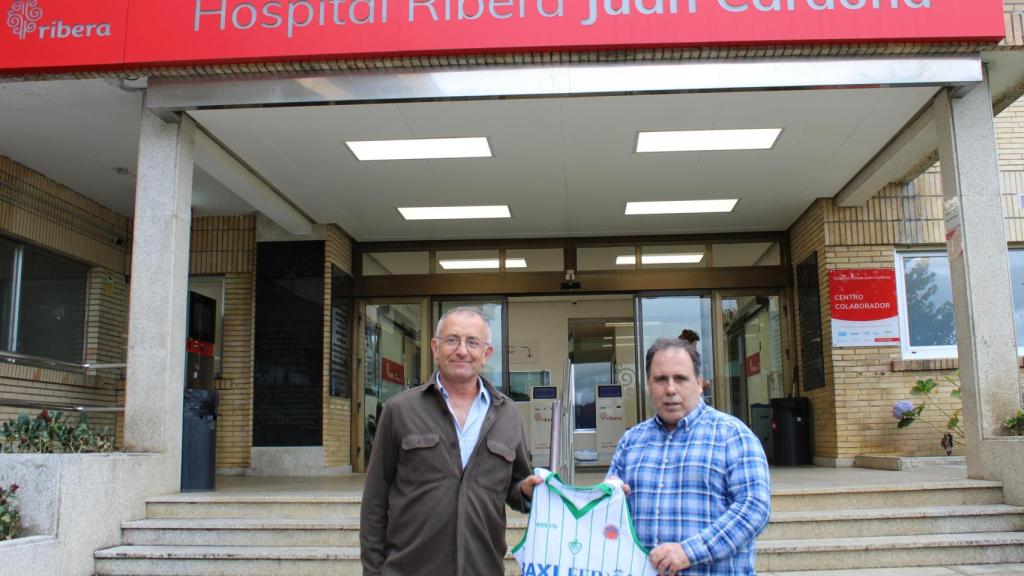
494 309
752 365
602 354
392 360
667 317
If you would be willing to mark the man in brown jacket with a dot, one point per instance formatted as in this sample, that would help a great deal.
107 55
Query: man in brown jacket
446 458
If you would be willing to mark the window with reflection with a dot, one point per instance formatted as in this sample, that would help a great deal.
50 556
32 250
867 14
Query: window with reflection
605 258
668 316
494 370
466 261
745 254
925 293
396 263
673 256
534 260
44 303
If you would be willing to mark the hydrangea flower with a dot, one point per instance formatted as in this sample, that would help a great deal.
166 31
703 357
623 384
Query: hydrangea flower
900 409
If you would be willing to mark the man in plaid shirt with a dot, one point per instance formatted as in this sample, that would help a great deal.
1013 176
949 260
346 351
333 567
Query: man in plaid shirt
697 478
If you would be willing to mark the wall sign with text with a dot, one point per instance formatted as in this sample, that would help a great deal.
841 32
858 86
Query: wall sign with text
864 307
50 35
392 371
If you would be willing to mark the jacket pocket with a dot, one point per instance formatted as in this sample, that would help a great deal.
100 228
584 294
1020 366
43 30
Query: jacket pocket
415 441
495 471
423 457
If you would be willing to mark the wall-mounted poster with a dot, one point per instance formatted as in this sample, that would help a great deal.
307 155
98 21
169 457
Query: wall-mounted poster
864 307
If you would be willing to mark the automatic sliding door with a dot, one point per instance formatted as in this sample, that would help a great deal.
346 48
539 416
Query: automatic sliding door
494 309
392 353
752 366
667 317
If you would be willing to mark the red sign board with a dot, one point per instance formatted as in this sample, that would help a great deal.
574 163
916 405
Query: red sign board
193 346
392 371
864 307
46 35
752 364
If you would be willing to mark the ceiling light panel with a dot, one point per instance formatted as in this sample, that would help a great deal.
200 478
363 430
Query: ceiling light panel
420 148
707 140
454 212
681 207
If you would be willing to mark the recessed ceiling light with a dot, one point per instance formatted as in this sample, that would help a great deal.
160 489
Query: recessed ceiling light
484 264
454 212
681 207
707 140
420 148
660 259
515 262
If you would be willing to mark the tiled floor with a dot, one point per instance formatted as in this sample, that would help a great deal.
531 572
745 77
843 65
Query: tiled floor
980 570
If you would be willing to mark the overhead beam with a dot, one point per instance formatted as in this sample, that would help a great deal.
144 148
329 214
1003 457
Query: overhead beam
894 162
169 95
222 166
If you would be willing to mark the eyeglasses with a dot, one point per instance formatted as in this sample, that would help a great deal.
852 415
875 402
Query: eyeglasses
452 342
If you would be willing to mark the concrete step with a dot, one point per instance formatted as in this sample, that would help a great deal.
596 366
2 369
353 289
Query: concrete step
890 551
235 561
1013 569
238 506
953 493
227 560
270 532
894 522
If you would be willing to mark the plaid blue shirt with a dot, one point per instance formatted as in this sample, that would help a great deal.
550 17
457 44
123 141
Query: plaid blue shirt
704 485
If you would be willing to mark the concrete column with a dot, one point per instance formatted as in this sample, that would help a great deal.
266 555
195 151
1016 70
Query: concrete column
982 300
159 288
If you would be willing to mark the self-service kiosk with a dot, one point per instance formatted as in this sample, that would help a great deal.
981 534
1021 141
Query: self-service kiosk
542 399
611 422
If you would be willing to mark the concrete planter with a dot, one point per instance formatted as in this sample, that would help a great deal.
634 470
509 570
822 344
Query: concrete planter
73 504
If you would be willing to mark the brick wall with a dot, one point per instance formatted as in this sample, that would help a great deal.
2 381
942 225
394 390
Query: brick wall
864 382
337 411
38 211
1010 136
807 236
226 246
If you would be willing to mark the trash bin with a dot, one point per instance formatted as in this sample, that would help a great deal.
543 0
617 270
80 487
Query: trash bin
760 423
199 440
791 431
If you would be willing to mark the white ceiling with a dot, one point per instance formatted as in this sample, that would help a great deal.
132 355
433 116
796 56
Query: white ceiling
79 132
564 165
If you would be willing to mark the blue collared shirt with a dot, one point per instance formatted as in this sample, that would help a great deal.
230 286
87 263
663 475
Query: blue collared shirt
470 433
704 485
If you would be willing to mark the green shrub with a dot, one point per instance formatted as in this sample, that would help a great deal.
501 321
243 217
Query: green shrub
51 433
1015 424
907 412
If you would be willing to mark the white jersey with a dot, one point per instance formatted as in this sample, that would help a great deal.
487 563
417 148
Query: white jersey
580 531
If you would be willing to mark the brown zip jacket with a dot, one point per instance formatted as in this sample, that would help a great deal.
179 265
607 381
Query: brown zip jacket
422 514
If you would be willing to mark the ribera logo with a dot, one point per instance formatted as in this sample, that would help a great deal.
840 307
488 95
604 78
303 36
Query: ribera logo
24 15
